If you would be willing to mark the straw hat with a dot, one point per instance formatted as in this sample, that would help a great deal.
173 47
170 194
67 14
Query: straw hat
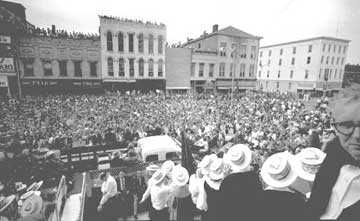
168 166
216 174
308 162
152 168
277 171
239 157
205 164
180 176
158 176
31 205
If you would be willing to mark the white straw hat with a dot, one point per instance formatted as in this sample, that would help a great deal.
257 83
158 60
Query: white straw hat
239 157
308 162
158 176
216 174
180 175
168 166
277 171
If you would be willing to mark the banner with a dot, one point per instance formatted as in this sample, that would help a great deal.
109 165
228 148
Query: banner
7 65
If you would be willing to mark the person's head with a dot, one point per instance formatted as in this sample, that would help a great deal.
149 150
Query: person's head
346 116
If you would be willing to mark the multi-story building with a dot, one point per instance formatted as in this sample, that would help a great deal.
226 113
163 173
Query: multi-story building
132 54
63 64
223 58
304 65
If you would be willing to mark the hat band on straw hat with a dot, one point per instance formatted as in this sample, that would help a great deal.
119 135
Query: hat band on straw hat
239 161
283 173
312 169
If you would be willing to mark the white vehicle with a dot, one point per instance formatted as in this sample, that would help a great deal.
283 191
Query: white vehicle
159 148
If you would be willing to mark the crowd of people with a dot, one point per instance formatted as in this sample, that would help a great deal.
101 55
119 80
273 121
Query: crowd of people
42 32
130 20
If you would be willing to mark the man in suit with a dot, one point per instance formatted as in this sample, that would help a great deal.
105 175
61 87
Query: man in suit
336 190
239 191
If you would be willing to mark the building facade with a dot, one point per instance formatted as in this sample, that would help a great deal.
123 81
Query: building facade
178 66
132 54
314 64
60 64
224 59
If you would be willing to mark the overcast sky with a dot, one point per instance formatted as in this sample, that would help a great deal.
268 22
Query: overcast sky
275 20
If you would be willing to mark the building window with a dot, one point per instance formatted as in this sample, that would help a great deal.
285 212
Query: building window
339 49
340 74
342 61
131 67
110 67
281 51
269 62
93 67
278 74
77 69
160 68
269 53
268 74
121 67
109 41
324 47
329 48
141 43
222 70
308 60
253 52
334 49
337 60
260 63
322 59
252 70
320 72
310 48
29 67
131 42
344 51
223 49
291 74
280 61
294 50
199 45
330 73
332 60
151 44
292 61
231 69
47 68
306 74
259 74
242 70
277 85
120 42
151 68
335 74
261 54
326 74
243 49
63 68
327 60
141 67
160 44
211 70
289 86
193 69
201 69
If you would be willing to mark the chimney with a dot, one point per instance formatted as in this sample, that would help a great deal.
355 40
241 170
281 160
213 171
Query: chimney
215 28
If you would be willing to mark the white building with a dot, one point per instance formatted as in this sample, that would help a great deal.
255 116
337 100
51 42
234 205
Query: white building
132 54
304 65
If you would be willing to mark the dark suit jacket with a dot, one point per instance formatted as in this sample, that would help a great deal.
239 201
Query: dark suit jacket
324 182
239 196
281 206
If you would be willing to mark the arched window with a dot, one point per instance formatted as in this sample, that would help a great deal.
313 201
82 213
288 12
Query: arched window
141 67
121 67
160 44
151 44
110 67
151 68
109 42
120 41
141 43
160 68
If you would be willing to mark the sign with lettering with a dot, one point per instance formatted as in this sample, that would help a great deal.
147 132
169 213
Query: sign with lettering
5 39
7 65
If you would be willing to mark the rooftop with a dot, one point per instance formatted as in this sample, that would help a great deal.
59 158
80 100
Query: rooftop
307 39
135 21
